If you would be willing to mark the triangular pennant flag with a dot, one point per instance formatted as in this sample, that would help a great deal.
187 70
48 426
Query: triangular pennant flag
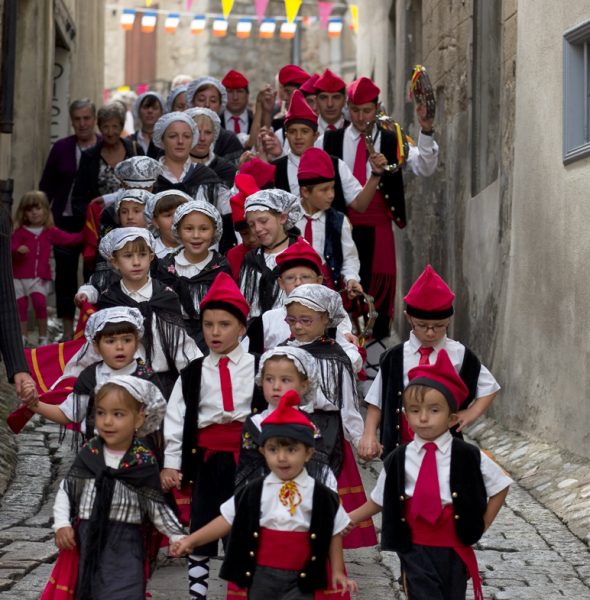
354 14
261 6
325 9
189 5
291 9
127 18
226 6
148 3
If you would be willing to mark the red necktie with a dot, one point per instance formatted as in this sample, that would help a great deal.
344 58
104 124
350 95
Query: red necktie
308 233
331 127
426 502
424 354
226 389
237 128
360 161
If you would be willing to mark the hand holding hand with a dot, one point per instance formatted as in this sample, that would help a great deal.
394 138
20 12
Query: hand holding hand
170 478
26 389
181 548
369 448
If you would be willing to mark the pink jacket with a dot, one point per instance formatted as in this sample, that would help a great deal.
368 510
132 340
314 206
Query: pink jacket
35 263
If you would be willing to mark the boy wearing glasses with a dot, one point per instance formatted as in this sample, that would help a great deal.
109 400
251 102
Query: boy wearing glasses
429 308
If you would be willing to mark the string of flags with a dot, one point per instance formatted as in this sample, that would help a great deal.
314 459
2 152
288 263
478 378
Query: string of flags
244 25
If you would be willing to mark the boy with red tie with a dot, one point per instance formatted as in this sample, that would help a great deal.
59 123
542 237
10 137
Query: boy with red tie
438 493
236 116
331 98
429 307
209 404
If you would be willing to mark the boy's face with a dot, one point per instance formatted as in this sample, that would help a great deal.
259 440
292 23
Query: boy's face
330 105
361 114
286 462
431 417
248 238
222 330
131 214
429 332
134 265
267 226
305 324
296 276
300 137
280 376
318 197
117 351
163 223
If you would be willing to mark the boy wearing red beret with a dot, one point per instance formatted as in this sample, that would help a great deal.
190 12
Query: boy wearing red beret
438 494
429 307
331 98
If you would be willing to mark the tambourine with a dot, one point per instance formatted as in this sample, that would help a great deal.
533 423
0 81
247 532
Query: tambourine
387 123
421 90
364 315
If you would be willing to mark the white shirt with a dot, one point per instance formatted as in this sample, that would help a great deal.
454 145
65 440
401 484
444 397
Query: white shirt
276 331
421 160
275 515
230 124
494 477
161 250
242 370
61 506
143 141
186 268
323 125
350 257
486 383
169 175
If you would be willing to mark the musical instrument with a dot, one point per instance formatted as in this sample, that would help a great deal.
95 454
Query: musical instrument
422 91
387 123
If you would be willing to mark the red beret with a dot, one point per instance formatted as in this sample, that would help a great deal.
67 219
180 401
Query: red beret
234 80
287 421
301 253
363 90
430 297
224 294
246 185
299 110
308 88
329 82
441 376
292 75
315 166
263 172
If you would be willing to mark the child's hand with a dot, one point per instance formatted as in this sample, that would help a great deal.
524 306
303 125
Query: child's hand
466 417
340 582
351 525
353 288
22 249
350 337
369 448
180 548
79 298
170 478
378 163
65 539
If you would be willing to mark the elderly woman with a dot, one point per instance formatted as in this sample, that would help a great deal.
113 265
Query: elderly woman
208 92
96 174
209 126
148 108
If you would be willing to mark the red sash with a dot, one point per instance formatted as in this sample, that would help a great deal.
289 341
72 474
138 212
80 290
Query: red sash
226 437
287 550
443 535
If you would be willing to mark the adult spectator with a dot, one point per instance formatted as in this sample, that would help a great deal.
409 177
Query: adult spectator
330 98
57 181
236 116
148 108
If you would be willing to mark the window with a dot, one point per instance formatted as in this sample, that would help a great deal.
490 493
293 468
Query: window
576 93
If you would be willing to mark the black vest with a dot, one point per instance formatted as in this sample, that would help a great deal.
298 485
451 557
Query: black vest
467 490
191 392
391 185
240 555
333 254
391 367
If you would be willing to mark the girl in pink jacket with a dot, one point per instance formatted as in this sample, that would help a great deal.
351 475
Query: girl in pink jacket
34 235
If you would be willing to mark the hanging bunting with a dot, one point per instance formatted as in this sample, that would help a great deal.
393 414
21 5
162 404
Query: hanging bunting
291 9
127 18
171 23
148 3
325 9
220 27
148 21
261 6
335 28
244 28
226 6
198 24
288 30
141 88
267 28
354 15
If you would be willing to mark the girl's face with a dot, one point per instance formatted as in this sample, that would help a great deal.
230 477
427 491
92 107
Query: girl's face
306 325
196 232
163 223
280 376
35 215
206 135
117 419
117 351
177 140
133 264
131 214
268 227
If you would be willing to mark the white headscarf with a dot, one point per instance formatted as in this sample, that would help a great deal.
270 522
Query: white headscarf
166 120
207 112
140 99
278 201
150 205
138 171
194 86
135 195
321 299
114 240
201 206
116 314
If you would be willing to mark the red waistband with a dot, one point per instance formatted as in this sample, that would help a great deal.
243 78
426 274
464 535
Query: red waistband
283 549
226 437
443 534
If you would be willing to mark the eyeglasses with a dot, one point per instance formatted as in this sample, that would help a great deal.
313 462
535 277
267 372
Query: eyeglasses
295 278
303 321
435 328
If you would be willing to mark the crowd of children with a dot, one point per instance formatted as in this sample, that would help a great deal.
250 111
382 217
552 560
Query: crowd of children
218 389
